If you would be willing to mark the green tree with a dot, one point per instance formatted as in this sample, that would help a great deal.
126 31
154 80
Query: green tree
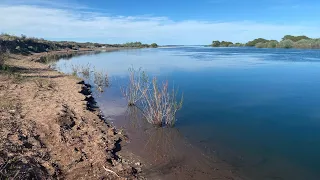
215 44
225 43
294 38
286 44
154 45
255 41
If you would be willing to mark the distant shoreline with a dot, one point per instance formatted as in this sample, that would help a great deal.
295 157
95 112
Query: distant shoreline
287 42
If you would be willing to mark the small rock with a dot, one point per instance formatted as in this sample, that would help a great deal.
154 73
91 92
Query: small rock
81 82
111 132
139 170
119 167
12 111
137 164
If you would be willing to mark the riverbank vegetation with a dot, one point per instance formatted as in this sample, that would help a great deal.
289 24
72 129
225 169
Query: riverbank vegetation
138 45
288 41
27 45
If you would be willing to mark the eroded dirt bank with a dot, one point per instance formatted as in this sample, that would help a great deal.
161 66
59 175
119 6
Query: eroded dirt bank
48 131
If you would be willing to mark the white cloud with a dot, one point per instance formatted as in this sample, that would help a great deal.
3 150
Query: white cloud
62 23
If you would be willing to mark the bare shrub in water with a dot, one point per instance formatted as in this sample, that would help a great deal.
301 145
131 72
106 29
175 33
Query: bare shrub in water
158 104
85 70
75 69
133 92
101 80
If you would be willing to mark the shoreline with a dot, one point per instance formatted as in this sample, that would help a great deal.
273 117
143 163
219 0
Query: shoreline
78 122
51 129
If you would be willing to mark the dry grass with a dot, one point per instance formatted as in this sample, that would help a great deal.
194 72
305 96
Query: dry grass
100 78
43 83
6 103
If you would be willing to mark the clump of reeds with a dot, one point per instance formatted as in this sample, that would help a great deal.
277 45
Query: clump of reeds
158 103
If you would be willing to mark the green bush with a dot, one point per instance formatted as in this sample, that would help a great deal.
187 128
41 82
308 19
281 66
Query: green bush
315 43
238 45
27 45
272 44
215 44
222 44
294 38
286 44
154 45
261 45
256 41
303 43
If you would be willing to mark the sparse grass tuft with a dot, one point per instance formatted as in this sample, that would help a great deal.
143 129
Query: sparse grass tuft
43 83
6 104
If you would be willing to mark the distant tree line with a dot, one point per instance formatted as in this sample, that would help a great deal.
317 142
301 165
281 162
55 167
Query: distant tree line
139 45
288 41
26 45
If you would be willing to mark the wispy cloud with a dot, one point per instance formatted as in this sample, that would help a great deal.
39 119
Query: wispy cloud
54 21
48 3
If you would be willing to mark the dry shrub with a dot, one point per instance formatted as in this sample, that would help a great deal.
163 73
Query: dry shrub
158 103
101 80
85 70
75 69
132 92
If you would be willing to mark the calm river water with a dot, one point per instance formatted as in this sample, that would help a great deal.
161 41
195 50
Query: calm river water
257 109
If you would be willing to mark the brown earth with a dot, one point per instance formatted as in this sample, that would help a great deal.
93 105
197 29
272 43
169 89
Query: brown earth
48 131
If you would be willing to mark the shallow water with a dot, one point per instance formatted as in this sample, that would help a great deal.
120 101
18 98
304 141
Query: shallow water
258 109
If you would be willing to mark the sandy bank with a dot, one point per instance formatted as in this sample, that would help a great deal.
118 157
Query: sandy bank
48 131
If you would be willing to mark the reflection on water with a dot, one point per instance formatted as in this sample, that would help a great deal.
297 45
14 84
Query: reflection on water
257 109
53 57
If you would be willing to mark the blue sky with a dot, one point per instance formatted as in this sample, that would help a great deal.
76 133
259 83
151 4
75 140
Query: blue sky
164 22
